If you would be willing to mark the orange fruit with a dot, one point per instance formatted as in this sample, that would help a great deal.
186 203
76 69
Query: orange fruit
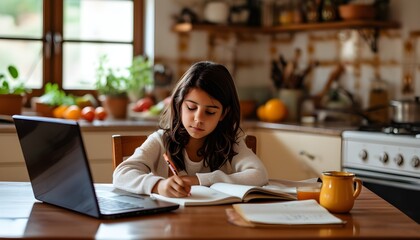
88 113
275 110
100 113
261 113
58 112
72 112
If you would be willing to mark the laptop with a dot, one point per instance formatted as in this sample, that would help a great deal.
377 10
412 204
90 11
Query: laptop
60 175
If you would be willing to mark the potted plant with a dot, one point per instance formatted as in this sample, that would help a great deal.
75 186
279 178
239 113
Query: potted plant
12 91
52 97
116 89
140 77
112 89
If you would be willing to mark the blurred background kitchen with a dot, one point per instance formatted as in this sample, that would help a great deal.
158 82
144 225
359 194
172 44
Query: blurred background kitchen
327 60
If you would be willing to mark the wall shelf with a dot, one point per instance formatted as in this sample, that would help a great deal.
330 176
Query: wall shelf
370 36
357 24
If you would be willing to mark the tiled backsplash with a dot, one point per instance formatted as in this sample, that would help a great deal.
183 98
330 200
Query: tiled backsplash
249 56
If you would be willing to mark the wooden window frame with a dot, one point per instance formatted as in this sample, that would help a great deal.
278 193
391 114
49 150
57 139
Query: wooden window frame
53 30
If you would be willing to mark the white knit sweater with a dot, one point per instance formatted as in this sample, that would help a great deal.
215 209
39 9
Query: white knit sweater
140 172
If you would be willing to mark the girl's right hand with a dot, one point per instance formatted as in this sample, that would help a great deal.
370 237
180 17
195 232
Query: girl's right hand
173 186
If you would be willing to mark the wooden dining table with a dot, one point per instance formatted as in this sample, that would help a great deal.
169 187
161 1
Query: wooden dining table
22 216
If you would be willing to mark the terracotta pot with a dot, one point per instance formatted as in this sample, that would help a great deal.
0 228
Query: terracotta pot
11 104
356 11
116 106
44 110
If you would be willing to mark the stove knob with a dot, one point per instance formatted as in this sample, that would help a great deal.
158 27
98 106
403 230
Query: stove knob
415 162
384 158
363 155
399 159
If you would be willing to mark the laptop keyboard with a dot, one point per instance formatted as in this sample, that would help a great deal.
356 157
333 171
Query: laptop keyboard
112 204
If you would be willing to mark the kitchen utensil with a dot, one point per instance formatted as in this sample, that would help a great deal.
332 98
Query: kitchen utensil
300 77
406 111
339 105
283 61
335 74
276 74
289 76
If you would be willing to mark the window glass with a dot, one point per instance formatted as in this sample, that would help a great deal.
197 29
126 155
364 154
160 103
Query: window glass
91 28
26 56
21 18
98 20
104 21
80 61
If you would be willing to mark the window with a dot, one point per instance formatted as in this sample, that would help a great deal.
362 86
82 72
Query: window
60 41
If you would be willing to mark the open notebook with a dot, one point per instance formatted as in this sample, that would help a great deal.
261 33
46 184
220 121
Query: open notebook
60 175
224 193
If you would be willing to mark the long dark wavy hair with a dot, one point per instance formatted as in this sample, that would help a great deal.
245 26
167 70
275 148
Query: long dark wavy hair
217 149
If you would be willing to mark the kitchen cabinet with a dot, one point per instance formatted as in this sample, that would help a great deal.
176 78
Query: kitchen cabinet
98 146
12 166
296 155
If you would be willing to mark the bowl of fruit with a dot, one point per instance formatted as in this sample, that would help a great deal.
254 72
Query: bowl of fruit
147 108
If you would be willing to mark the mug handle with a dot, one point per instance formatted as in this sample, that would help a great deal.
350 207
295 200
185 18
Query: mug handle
359 184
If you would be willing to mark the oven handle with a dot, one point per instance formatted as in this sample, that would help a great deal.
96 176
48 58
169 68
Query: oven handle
387 179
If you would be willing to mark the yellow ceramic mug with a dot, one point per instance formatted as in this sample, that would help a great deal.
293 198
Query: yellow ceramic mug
338 192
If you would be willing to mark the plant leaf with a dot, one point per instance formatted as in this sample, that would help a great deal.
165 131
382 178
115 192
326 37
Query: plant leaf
13 71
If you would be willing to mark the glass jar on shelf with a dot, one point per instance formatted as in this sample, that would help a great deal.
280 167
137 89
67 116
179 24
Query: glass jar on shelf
312 11
329 11
378 101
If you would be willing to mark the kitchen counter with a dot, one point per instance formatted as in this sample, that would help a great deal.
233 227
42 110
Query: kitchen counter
97 126
323 141
334 129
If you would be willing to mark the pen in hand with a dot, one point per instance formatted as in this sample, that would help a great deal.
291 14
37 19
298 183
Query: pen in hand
170 164
172 167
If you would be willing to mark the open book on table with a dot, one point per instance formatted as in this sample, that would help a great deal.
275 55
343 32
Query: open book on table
225 193
292 213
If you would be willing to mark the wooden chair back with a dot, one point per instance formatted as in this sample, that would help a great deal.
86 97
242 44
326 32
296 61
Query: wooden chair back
124 146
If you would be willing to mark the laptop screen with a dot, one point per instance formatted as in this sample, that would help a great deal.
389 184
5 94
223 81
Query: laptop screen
57 163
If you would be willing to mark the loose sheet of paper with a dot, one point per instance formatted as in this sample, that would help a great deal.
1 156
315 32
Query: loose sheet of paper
289 213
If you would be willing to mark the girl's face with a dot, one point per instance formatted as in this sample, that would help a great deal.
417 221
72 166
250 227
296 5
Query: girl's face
200 113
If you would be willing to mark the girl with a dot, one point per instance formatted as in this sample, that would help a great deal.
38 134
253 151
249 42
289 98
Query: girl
200 131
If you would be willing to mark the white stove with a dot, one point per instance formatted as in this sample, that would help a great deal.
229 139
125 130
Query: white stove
388 153
388 164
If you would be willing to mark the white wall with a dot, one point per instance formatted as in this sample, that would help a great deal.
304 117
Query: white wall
257 52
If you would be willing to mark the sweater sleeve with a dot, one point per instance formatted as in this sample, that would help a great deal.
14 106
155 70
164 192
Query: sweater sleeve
140 172
246 168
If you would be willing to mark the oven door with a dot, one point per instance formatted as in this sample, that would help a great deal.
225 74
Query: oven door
401 191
